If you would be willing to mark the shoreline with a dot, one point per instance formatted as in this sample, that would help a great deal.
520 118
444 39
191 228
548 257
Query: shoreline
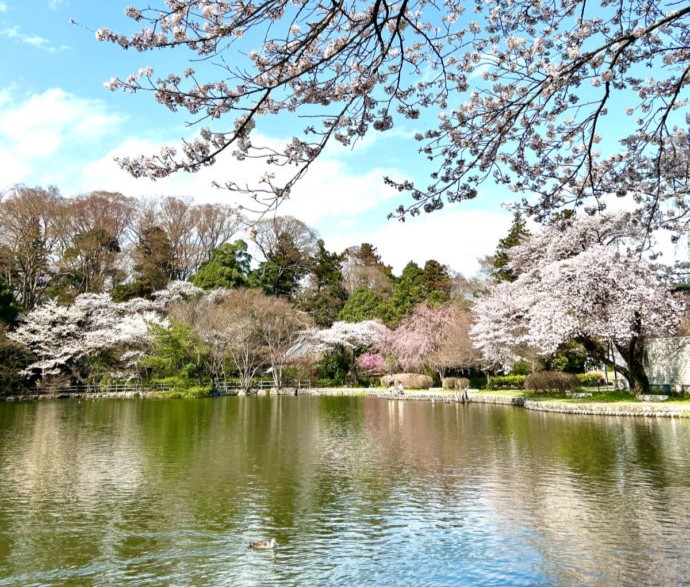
641 409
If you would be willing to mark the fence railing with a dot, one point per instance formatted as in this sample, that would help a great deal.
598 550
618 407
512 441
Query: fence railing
140 387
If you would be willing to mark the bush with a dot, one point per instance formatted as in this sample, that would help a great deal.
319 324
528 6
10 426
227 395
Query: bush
409 380
591 379
456 383
551 381
507 381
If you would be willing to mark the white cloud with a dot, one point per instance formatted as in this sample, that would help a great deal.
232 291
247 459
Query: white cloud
42 43
44 123
454 236
49 136
330 191
56 138
3 6
14 170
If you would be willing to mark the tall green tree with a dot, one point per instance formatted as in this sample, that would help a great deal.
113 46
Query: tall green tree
437 283
409 289
177 354
325 294
282 271
8 310
367 304
517 233
228 267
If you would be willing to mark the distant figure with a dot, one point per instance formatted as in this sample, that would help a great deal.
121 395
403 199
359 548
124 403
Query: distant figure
400 389
264 544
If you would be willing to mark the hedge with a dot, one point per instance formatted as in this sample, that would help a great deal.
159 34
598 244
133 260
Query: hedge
507 381
456 383
409 380
551 381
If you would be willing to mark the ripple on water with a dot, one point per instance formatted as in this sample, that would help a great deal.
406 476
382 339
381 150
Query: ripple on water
355 492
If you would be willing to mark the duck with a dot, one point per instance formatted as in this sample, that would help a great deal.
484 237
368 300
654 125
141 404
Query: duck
263 544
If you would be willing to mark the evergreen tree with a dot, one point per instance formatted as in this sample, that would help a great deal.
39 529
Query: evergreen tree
325 295
517 233
228 267
437 283
409 290
282 271
8 311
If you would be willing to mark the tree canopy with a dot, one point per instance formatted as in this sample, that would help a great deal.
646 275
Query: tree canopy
582 279
522 92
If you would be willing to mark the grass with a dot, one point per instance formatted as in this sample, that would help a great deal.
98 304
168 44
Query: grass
597 397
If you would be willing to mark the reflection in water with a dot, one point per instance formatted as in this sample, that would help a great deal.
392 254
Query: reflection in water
357 491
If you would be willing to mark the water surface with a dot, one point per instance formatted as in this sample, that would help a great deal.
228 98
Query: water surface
357 491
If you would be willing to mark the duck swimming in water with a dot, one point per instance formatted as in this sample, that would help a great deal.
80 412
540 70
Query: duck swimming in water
263 544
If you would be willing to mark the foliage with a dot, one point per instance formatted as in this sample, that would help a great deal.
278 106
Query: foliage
371 363
551 381
501 269
65 337
344 341
367 304
177 354
432 338
333 368
507 381
14 358
408 380
8 311
456 383
593 378
506 86
409 290
29 237
245 327
437 283
581 279
228 267
183 388
571 357
324 296
364 269
153 259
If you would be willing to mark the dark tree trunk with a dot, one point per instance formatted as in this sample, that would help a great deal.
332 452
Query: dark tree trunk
633 354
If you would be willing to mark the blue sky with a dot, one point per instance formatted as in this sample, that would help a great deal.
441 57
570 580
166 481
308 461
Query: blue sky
60 126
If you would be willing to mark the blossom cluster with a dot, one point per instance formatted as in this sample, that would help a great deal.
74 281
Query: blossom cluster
507 85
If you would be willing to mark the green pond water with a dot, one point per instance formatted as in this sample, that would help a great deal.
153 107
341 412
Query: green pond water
357 491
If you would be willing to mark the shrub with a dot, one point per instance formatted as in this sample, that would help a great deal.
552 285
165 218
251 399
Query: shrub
409 380
507 381
591 379
551 381
456 383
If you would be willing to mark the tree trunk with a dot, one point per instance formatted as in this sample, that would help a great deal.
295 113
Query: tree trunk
633 354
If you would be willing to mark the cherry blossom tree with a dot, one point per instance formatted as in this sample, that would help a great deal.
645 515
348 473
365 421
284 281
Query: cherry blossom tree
583 279
346 337
419 335
523 92
434 338
63 337
372 363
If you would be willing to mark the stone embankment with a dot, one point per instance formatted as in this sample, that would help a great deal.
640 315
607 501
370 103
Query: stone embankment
649 409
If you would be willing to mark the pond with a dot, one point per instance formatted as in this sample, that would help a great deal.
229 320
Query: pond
356 491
